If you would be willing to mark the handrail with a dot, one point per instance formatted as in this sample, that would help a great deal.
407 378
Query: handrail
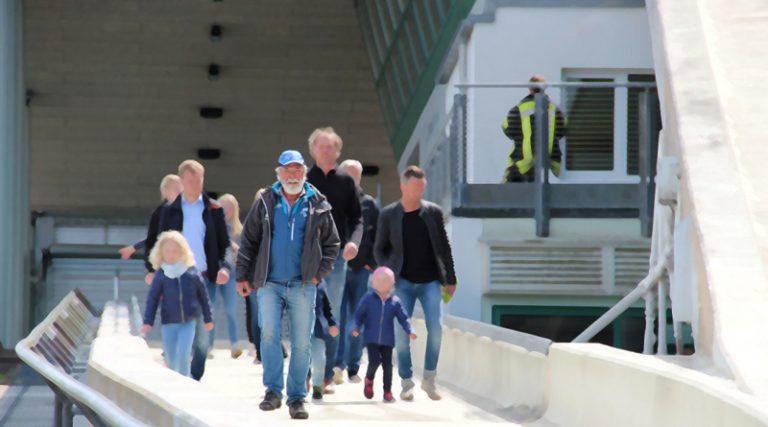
106 410
526 85
645 286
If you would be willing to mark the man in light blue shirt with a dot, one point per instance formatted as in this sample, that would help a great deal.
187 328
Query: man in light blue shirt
194 229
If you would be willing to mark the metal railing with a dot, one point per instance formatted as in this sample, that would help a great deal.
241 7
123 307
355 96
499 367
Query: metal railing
455 149
54 350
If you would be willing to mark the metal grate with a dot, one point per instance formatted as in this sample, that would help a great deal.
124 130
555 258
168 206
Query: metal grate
527 266
631 264
542 268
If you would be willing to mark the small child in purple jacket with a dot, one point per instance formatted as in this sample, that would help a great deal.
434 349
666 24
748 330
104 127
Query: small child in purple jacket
376 313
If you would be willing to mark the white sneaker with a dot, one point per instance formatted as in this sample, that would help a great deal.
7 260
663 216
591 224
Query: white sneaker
338 375
355 379
428 385
407 393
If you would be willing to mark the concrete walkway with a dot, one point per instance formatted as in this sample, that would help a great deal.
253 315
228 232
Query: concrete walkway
347 406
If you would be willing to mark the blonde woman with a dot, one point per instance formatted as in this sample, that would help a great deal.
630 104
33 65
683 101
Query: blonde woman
176 285
228 291
170 188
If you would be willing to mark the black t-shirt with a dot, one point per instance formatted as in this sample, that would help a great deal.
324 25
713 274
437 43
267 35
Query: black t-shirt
419 264
341 192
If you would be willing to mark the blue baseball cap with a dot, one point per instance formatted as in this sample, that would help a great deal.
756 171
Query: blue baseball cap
290 156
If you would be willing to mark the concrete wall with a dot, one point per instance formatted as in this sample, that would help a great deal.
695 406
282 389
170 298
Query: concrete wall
118 85
708 67
596 385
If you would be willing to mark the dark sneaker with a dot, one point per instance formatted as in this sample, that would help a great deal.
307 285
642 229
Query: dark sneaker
271 401
368 389
285 352
317 393
297 411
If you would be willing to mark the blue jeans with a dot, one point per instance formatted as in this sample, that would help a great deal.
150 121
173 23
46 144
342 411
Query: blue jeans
229 295
335 289
201 343
298 299
177 345
351 348
318 361
430 296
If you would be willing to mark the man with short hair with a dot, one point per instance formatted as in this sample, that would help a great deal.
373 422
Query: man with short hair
201 220
340 189
358 272
412 241
288 244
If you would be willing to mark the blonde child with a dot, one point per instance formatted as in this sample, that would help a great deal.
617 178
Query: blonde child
180 291
376 313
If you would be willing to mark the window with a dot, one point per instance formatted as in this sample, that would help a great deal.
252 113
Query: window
602 141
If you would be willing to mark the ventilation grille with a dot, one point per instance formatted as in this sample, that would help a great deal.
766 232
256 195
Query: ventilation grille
631 265
540 268
545 266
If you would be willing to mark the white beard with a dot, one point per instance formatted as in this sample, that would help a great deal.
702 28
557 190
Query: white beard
293 187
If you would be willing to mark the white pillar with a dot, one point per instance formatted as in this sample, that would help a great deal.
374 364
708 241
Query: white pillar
14 180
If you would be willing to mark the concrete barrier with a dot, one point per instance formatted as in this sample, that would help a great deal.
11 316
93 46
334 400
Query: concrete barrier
596 385
509 377
122 368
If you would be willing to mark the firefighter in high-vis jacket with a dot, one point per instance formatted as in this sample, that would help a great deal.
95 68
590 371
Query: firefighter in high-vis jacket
519 126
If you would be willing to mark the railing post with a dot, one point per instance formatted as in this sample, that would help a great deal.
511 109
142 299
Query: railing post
661 347
541 168
645 195
649 338
458 140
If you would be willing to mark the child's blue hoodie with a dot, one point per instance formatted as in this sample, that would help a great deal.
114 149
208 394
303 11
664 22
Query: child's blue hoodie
376 318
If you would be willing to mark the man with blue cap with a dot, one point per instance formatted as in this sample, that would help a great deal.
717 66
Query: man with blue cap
289 243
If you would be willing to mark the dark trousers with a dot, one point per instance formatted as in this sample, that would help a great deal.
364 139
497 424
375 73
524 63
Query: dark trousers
380 355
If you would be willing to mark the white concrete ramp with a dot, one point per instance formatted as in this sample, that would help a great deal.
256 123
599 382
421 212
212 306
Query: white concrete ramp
347 406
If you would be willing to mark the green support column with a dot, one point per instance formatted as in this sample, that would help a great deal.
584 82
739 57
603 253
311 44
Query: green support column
14 180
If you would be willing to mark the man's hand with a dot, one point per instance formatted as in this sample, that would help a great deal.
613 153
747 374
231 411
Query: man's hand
145 329
223 277
350 251
413 336
368 267
355 333
149 278
333 331
208 327
315 281
127 252
450 290
243 288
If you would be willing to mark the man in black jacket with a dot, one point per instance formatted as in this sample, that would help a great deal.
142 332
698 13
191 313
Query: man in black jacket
358 272
412 241
201 221
340 189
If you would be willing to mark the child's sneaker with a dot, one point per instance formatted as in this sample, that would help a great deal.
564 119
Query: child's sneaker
317 393
368 389
388 397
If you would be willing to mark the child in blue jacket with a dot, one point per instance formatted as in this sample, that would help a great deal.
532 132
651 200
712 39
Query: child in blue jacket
181 294
375 314
324 323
